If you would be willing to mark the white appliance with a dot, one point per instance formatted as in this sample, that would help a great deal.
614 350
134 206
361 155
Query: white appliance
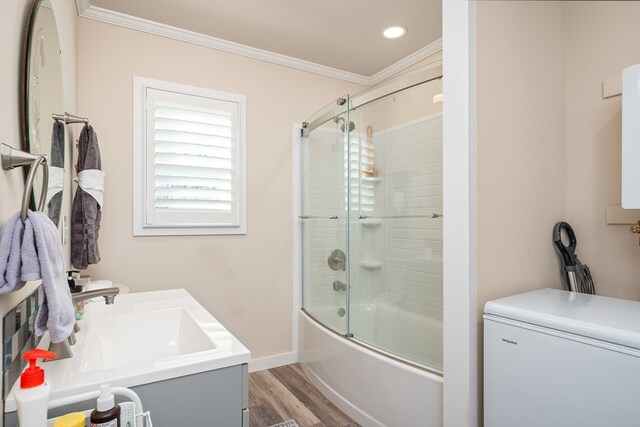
631 137
558 358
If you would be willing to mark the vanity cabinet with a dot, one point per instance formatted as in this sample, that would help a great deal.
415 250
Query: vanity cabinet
210 398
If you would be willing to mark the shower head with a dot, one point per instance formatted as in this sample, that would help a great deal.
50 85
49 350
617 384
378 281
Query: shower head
340 119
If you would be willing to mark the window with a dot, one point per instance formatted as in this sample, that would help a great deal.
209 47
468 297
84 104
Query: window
360 172
189 165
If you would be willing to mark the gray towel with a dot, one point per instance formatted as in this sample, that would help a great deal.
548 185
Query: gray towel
85 212
10 258
57 160
42 258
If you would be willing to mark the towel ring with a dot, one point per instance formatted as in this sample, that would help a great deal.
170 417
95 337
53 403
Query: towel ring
28 187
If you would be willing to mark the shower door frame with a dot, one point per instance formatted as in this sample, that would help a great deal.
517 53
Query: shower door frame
416 77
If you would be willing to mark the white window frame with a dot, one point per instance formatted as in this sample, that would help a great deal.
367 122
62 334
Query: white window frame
141 170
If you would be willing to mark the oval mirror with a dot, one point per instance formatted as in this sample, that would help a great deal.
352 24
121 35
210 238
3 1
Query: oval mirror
42 94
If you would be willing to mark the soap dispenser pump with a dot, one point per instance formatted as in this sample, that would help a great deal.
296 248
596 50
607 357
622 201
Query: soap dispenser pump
33 394
107 413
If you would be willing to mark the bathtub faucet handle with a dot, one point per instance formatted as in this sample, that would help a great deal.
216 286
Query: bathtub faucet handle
337 260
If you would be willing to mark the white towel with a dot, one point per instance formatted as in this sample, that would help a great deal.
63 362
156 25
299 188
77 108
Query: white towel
55 184
10 257
42 258
92 181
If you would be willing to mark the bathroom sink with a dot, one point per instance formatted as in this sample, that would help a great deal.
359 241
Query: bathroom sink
142 338
148 337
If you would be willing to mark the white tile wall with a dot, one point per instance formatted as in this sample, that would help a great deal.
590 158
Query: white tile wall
413 186
323 196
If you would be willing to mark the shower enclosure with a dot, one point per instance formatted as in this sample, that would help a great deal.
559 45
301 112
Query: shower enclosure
372 219
371 227
370 331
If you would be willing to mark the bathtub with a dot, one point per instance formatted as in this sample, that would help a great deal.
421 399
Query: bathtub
372 388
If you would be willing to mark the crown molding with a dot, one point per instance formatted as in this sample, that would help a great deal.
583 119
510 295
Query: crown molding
86 10
407 61
82 6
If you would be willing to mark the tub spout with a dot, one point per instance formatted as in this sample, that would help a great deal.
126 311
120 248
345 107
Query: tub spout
339 286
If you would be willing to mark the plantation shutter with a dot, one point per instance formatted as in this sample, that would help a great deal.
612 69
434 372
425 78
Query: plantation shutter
360 186
192 167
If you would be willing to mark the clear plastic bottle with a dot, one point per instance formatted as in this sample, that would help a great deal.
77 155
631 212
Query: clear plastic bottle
33 394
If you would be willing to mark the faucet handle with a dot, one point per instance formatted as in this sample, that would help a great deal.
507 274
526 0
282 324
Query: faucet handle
72 338
62 349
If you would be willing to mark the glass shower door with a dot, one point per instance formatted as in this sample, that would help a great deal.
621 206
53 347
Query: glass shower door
395 244
324 220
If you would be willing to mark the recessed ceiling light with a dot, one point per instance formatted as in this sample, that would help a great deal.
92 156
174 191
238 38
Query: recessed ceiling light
394 31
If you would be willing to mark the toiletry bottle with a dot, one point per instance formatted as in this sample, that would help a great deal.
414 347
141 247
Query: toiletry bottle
33 395
73 280
74 419
107 413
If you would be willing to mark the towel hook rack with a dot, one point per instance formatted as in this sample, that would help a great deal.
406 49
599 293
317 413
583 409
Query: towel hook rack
12 158
67 118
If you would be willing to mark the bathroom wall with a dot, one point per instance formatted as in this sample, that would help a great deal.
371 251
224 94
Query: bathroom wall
602 39
12 21
549 144
408 145
521 145
245 281
11 182
521 148
414 187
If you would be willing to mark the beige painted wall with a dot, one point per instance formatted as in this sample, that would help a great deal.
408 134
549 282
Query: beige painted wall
521 149
601 40
244 281
13 17
11 182
549 145
521 145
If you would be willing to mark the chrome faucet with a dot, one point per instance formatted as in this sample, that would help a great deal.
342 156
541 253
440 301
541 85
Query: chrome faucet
109 295
63 349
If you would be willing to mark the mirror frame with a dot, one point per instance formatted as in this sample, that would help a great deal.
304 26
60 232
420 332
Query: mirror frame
29 46
24 79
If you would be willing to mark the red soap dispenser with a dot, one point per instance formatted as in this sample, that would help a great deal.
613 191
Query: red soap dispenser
33 395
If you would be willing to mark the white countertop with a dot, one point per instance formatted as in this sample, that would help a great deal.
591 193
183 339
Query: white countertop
81 373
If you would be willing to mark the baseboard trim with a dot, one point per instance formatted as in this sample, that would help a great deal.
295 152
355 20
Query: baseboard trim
274 361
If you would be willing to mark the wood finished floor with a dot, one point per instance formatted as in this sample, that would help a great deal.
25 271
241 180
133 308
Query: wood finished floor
285 393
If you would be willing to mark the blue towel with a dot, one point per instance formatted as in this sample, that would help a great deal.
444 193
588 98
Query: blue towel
10 257
42 259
